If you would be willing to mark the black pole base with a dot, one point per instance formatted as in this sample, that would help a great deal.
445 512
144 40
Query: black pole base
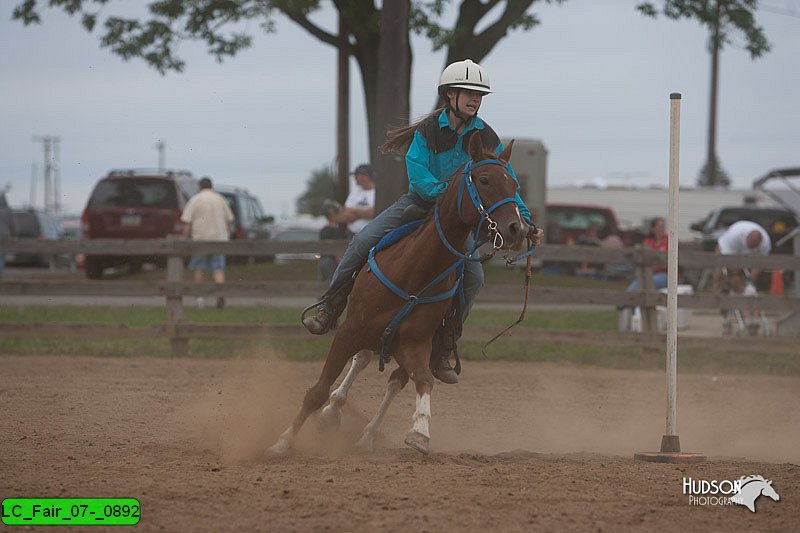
670 444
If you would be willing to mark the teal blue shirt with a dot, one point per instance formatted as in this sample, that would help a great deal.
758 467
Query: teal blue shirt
437 152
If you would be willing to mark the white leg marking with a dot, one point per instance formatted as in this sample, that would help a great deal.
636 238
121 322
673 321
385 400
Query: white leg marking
338 398
372 429
422 415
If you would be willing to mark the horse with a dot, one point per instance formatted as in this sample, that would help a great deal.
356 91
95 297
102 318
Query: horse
751 487
413 263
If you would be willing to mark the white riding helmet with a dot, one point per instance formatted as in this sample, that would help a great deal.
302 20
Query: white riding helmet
464 75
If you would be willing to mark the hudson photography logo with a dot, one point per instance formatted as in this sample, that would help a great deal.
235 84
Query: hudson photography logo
743 491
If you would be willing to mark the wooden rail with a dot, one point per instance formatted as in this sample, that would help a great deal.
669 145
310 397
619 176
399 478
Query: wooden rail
174 288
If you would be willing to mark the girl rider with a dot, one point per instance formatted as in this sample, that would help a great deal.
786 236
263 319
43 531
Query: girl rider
437 147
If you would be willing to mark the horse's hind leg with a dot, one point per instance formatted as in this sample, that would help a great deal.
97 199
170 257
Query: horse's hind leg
343 346
331 413
416 362
397 381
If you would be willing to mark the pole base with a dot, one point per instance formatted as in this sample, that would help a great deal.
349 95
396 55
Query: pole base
670 444
674 458
670 453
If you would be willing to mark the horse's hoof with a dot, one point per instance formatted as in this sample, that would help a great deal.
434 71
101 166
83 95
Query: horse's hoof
364 444
279 448
418 441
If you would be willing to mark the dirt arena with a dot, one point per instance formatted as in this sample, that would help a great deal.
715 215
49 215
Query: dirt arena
516 447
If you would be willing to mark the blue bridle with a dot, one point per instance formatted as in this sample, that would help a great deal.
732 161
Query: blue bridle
468 185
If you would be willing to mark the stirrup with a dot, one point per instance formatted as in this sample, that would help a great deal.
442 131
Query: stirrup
309 308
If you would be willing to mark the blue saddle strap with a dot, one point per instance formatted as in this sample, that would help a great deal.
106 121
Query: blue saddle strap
411 300
397 234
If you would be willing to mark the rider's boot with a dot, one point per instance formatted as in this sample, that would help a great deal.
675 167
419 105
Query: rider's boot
329 310
443 346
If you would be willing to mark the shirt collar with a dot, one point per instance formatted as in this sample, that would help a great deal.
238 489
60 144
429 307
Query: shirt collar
475 122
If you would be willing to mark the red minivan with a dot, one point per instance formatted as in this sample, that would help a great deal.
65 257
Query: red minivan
134 204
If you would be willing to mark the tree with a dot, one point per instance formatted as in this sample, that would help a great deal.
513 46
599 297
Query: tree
214 22
320 186
723 18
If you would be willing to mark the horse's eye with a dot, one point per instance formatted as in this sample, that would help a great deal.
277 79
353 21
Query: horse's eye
484 180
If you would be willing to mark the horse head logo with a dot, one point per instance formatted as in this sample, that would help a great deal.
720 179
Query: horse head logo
751 487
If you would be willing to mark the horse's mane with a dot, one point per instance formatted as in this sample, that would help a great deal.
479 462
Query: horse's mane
744 480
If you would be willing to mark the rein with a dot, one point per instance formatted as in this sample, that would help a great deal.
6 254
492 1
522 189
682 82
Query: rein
458 267
528 275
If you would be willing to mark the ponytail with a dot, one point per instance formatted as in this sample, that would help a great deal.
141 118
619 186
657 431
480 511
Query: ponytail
398 139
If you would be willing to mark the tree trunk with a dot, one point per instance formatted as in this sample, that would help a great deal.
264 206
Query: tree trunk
391 101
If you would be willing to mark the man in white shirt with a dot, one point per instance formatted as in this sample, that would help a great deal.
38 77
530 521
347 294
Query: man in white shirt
742 238
207 217
359 208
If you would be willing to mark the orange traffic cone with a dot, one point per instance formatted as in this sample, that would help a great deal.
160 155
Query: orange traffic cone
776 286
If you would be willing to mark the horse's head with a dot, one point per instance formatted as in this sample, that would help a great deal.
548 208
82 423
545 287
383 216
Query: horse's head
767 490
493 192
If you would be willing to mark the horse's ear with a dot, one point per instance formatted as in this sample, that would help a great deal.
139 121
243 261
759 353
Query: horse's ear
505 155
476 149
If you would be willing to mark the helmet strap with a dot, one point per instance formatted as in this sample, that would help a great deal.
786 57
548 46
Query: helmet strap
456 112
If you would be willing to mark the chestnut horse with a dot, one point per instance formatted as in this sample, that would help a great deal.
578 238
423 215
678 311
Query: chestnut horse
482 197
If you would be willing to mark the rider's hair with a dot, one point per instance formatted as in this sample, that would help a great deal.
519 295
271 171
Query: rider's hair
398 139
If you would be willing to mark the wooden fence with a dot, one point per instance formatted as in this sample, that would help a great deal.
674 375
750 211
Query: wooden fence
174 287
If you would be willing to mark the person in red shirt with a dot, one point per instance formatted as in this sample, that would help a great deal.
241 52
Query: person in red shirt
657 240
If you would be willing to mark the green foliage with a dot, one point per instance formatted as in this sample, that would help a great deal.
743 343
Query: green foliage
720 179
172 21
726 16
319 187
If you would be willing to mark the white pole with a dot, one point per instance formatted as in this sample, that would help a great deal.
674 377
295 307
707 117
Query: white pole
672 262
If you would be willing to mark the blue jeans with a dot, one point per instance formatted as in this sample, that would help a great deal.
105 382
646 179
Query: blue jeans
659 280
358 251
207 262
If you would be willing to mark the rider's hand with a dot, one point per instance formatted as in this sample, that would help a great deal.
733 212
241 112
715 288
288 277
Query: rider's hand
535 235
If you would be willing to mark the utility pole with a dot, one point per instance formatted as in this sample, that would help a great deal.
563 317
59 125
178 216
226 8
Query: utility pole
711 155
34 177
161 146
51 173
343 117
56 177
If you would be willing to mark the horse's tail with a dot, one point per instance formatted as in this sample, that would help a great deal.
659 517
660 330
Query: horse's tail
398 139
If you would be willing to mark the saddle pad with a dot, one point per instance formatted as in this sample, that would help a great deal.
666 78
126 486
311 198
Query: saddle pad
397 234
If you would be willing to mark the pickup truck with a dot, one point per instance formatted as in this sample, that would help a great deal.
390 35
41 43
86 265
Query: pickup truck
574 223
586 224
777 221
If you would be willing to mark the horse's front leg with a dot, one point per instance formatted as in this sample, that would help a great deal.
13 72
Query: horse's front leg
397 381
415 359
343 345
332 413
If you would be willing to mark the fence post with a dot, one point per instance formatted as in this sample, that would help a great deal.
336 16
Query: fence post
175 314
649 318
644 283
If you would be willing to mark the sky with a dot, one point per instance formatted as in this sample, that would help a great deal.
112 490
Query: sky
592 82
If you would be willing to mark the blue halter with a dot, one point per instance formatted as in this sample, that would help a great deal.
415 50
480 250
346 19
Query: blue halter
458 267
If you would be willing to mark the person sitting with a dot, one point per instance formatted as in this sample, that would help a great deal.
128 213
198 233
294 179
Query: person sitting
332 230
658 240
359 208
